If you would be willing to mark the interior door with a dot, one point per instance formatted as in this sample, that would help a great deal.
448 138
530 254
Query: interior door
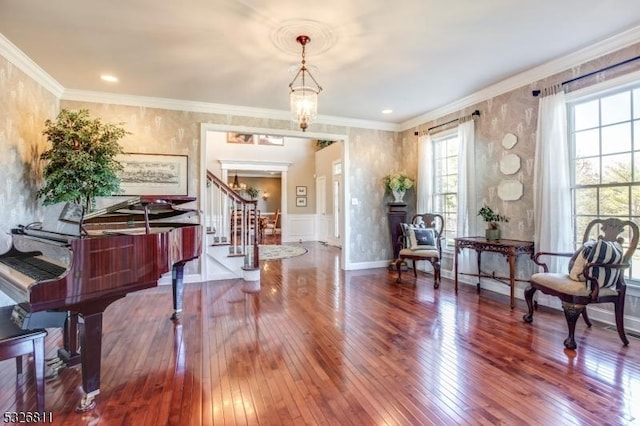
321 208
337 207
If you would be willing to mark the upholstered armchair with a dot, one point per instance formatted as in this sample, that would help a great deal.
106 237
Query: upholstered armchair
596 275
421 240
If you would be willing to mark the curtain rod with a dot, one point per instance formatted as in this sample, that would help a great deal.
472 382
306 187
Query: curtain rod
607 68
424 132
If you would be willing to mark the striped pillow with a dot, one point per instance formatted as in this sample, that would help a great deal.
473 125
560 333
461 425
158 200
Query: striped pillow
608 253
579 259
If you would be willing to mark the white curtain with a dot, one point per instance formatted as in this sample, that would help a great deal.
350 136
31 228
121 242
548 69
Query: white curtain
466 210
424 180
551 181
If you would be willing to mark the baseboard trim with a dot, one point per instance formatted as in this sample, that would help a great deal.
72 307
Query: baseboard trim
596 312
367 265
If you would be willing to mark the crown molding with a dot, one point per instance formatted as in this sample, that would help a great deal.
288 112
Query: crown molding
17 57
545 70
211 108
14 55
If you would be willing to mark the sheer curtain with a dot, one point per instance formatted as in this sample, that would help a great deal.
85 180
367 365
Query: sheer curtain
551 181
424 180
466 210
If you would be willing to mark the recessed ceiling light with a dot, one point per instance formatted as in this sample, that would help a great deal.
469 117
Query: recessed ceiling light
109 78
387 111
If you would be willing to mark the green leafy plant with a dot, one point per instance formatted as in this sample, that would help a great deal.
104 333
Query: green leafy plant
398 182
492 218
81 163
252 192
323 143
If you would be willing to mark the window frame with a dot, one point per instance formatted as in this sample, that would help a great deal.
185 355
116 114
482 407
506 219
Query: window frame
626 83
448 244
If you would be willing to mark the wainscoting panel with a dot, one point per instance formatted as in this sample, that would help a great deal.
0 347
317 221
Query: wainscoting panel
324 227
301 227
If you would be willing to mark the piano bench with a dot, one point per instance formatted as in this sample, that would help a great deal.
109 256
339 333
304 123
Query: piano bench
16 342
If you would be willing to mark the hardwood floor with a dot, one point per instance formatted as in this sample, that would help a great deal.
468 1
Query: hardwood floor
317 345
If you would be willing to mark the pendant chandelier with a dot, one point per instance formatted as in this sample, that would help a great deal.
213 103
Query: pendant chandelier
303 97
237 186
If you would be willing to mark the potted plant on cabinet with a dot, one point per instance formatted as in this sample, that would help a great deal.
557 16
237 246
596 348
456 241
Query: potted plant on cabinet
492 219
81 163
397 184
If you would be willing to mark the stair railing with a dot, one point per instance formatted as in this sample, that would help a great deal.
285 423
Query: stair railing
233 220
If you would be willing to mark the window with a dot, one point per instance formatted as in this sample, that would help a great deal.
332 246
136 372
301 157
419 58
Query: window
445 188
604 137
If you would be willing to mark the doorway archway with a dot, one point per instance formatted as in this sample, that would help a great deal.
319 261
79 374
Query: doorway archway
207 128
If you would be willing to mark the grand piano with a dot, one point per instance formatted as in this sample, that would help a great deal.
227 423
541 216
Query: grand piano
67 269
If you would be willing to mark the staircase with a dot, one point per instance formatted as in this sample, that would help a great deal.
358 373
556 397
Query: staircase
232 233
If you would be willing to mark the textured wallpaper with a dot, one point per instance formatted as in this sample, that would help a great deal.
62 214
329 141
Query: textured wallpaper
373 155
516 112
24 107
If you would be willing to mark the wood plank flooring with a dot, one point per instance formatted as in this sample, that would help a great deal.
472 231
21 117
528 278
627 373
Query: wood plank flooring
317 345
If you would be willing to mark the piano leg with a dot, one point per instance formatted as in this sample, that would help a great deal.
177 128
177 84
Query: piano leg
69 352
177 276
91 352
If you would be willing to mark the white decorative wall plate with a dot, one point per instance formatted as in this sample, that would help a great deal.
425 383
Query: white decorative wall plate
510 190
510 164
509 140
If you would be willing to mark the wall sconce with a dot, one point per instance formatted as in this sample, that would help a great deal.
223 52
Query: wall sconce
265 196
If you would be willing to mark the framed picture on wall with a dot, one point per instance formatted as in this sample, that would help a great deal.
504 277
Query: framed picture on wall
153 174
270 140
301 191
301 201
243 138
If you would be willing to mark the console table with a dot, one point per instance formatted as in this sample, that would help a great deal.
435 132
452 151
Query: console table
509 248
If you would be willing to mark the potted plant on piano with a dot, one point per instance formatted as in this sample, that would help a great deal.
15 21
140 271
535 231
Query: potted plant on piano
81 163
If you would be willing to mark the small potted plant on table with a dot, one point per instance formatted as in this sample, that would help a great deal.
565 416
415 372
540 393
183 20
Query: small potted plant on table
492 219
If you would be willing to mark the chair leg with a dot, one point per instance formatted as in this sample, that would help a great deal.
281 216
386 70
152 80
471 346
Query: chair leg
571 313
528 296
39 368
619 309
436 272
399 269
415 270
585 316
19 364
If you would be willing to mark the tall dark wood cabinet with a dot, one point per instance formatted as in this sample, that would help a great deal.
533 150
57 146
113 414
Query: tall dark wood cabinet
397 215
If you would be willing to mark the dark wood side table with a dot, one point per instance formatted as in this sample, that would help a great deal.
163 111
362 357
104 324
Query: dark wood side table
509 248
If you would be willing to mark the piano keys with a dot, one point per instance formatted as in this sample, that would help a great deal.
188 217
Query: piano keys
76 264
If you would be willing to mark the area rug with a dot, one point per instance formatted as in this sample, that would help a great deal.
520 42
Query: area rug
275 251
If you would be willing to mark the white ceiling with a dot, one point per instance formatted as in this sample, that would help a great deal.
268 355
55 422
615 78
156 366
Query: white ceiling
412 56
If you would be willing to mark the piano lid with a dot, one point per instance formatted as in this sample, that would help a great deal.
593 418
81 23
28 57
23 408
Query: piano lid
67 219
156 206
63 221
133 203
